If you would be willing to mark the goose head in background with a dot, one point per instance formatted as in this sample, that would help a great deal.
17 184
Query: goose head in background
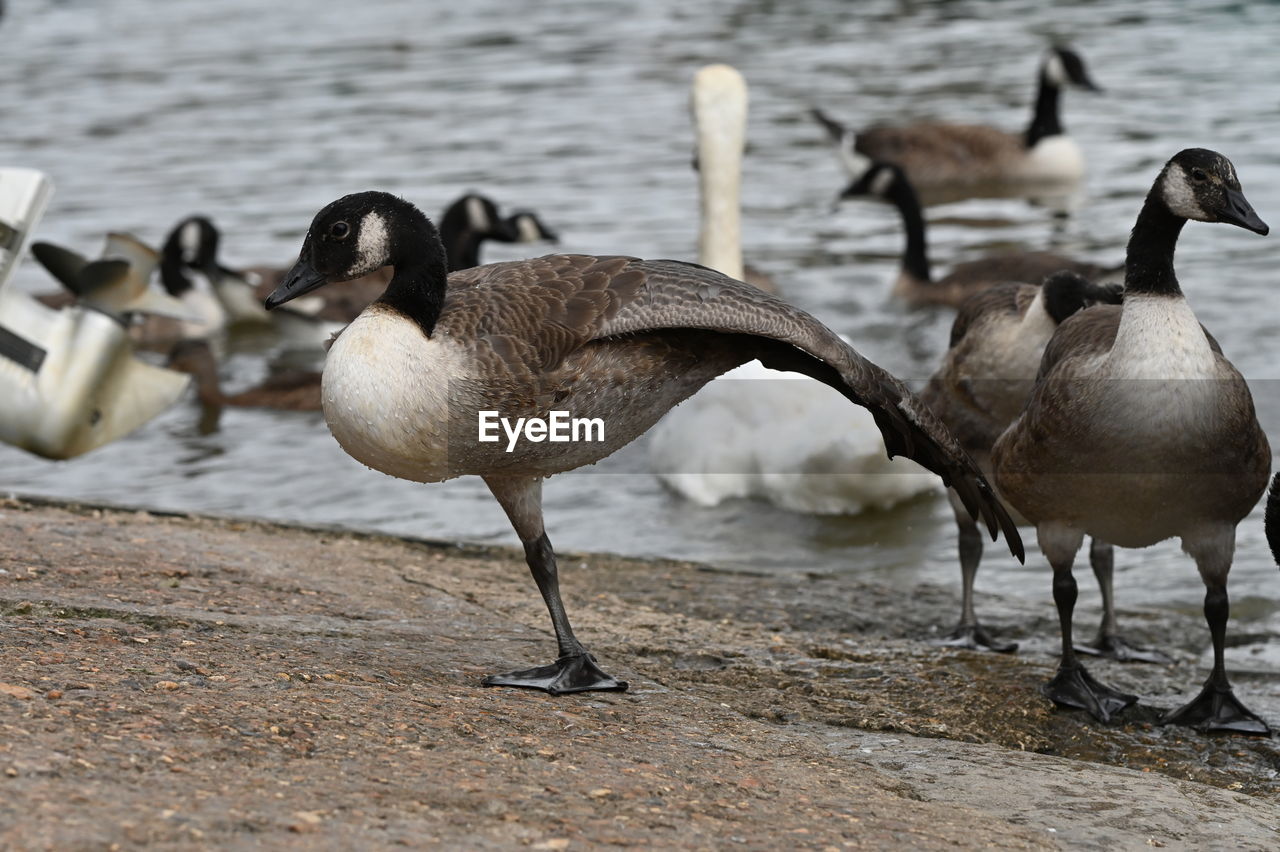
474 218
528 228
1061 67
190 271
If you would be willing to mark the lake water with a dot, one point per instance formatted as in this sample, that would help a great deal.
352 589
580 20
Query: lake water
259 114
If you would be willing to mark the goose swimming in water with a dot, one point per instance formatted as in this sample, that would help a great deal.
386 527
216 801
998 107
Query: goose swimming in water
982 386
729 441
614 339
934 154
1138 430
916 284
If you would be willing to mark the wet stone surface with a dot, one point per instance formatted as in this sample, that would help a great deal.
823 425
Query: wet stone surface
180 681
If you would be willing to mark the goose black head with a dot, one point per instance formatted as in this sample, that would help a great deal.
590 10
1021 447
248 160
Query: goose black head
1202 185
528 228
192 244
477 216
1063 67
879 180
356 235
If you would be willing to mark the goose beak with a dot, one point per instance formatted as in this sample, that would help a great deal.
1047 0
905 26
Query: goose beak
1240 212
301 279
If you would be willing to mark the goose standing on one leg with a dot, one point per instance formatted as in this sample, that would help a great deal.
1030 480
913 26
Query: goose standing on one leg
996 345
916 284
1139 430
613 339
729 441
936 155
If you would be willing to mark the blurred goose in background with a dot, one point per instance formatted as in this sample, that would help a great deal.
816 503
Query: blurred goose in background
123 288
616 339
285 390
1138 430
935 154
984 382
68 378
756 432
917 286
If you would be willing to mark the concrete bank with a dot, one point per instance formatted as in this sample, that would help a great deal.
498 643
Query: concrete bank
187 682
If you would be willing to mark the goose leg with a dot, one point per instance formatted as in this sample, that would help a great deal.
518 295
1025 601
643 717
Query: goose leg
1072 686
968 633
1109 642
575 670
1216 708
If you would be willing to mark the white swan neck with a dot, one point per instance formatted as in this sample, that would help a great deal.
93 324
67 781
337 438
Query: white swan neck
719 104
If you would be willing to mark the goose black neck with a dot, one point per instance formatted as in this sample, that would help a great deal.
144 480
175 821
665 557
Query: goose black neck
1045 121
418 286
172 277
915 260
461 241
462 248
1148 262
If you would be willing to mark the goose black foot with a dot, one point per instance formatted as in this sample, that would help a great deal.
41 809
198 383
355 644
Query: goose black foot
1075 687
974 637
1120 649
1217 709
571 673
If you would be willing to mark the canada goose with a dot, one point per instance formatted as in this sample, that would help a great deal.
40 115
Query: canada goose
1139 429
68 378
287 390
729 441
191 248
935 154
916 284
408 385
985 379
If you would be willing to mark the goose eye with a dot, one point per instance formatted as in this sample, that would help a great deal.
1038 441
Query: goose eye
1199 176
339 230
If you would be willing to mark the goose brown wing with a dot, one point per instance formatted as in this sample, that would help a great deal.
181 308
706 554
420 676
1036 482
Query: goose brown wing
529 315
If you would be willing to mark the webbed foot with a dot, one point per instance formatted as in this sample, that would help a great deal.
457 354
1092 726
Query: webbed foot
571 673
1120 649
1217 709
974 637
1075 687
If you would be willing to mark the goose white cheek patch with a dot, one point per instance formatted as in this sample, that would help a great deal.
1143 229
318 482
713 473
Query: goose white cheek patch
189 240
372 246
478 216
1054 71
1180 197
880 183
